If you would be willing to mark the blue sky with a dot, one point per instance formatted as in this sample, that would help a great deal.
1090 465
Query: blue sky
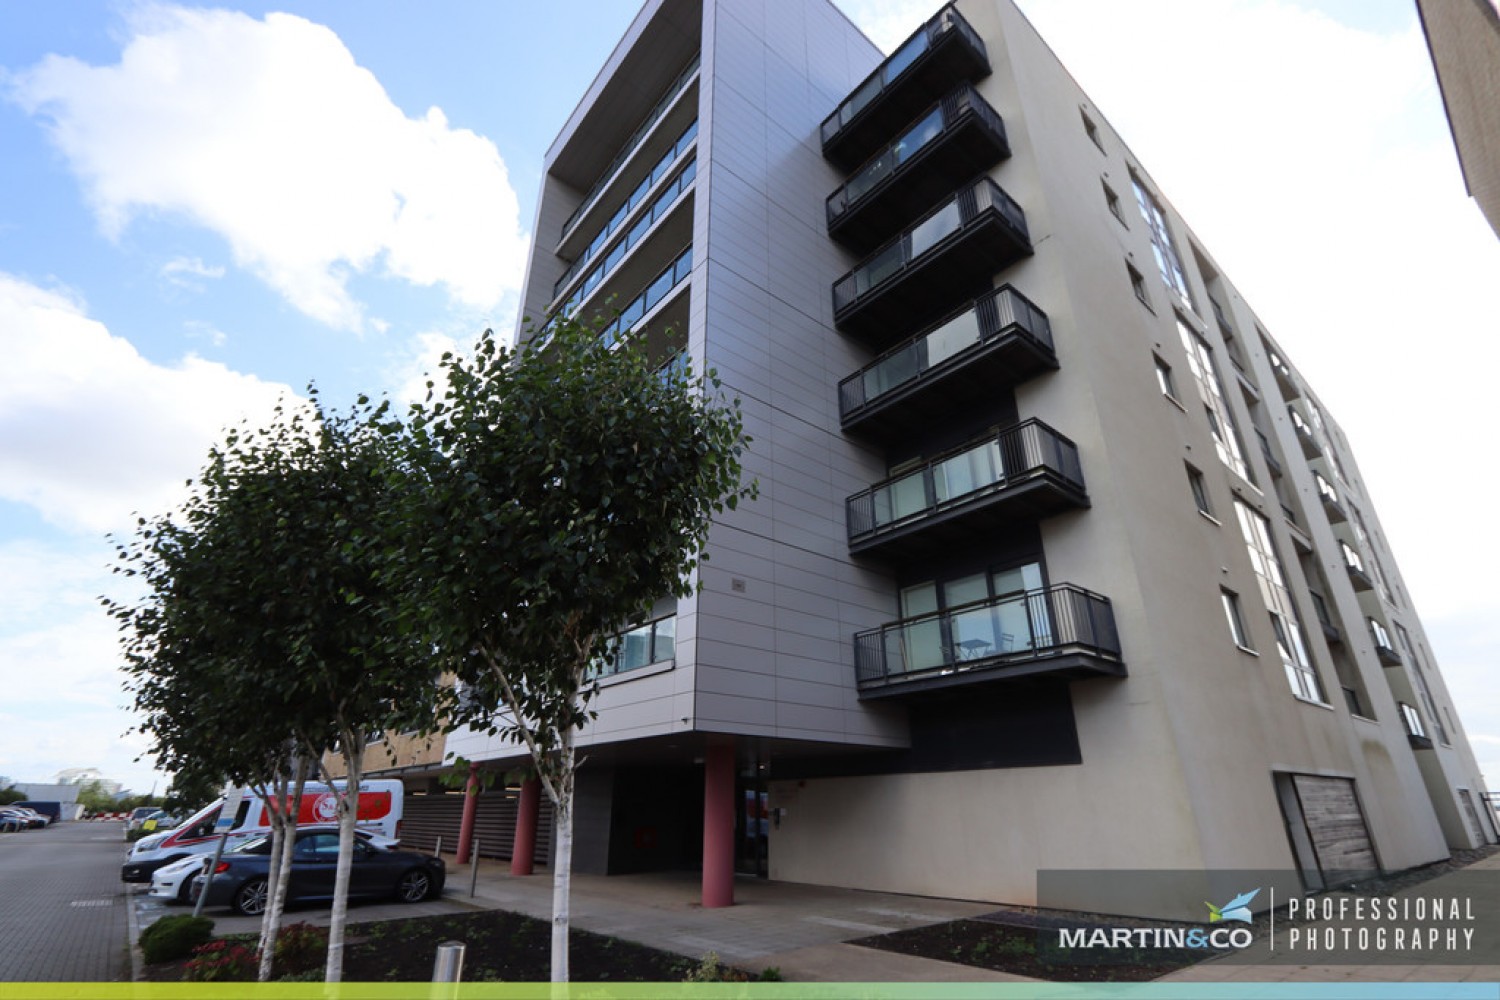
203 208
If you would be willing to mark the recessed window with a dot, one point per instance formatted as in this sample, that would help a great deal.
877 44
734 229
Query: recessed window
1162 246
1200 491
1411 719
1113 201
1091 129
1138 285
1164 377
1231 602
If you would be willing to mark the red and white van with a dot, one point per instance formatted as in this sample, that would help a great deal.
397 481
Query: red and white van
380 810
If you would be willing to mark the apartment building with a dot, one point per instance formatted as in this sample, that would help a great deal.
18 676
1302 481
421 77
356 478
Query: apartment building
1058 563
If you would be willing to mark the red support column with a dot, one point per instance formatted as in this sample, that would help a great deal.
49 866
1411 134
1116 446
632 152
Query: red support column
466 825
718 824
523 855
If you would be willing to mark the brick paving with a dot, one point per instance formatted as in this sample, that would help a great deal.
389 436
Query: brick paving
65 913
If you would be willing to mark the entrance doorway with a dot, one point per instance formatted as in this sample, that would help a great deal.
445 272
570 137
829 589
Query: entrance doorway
752 823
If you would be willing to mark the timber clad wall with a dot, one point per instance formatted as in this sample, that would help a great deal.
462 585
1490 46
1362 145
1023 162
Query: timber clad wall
431 816
1337 825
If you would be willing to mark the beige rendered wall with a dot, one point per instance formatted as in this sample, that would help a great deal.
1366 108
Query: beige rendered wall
1178 758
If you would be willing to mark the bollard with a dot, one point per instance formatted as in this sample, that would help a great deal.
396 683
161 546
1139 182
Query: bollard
474 871
449 967
437 849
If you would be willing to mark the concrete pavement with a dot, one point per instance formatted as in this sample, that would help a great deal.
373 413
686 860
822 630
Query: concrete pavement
64 916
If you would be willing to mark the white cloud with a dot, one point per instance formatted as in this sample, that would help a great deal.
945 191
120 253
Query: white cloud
181 271
419 365
90 430
268 133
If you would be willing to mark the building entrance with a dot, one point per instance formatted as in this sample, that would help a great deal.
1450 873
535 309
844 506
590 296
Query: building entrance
752 824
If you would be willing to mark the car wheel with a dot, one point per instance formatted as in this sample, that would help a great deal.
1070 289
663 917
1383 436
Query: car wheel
185 891
250 898
414 886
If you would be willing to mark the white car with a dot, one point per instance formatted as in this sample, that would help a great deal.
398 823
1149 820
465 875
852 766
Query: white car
172 882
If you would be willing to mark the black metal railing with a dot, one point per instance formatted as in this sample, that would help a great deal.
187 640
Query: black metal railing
931 233
628 147
944 346
627 208
895 66
928 130
1016 455
1017 628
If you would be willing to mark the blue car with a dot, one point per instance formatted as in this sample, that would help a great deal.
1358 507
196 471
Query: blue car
241 878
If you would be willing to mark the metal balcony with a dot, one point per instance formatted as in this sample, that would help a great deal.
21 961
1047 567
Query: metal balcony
1063 631
952 253
955 139
943 52
1025 472
1000 339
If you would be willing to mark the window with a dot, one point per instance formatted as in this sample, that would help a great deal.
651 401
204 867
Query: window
1411 719
1380 635
1161 240
1325 489
1351 558
1231 602
1113 201
653 642
1290 644
1423 690
1211 392
1164 377
1200 491
1091 129
1138 285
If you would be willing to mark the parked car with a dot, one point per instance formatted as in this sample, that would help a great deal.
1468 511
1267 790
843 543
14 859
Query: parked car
137 817
240 879
30 818
12 820
380 809
174 882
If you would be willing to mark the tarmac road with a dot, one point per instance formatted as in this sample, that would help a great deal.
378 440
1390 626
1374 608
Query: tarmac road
64 917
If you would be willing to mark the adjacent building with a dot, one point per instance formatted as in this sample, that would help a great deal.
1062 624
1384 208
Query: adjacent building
1057 563
1464 39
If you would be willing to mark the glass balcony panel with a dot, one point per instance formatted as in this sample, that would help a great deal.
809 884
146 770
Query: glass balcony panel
902 498
969 471
993 636
880 267
959 333
893 371
904 57
860 99
936 228
877 170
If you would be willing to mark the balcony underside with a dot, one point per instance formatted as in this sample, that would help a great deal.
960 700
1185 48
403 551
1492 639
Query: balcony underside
951 60
1075 663
1006 359
961 266
966 148
1029 500
1360 579
1419 742
1387 657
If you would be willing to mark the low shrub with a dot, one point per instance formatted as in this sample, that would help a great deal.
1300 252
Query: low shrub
300 947
174 937
221 961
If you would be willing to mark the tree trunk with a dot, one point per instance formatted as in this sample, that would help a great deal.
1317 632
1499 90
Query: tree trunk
283 839
562 857
348 813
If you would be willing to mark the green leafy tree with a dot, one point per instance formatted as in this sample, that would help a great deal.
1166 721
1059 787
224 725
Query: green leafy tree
9 795
269 634
93 797
564 489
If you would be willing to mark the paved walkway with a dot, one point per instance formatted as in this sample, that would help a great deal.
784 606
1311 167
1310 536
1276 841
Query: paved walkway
64 908
804 930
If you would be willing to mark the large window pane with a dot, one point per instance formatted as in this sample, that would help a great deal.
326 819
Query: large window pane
935 229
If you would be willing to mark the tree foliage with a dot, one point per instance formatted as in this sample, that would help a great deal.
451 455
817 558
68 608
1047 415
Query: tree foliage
566 488
269 631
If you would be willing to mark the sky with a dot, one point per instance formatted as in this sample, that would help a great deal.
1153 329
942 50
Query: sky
203 209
